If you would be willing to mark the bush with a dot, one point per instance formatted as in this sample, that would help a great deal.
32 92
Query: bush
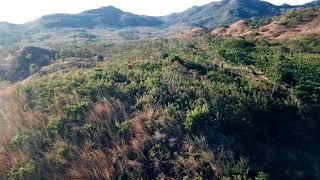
28 56
19 141
88 128
197 117
237 51
75 112
24 171
262 176
56 126
33 68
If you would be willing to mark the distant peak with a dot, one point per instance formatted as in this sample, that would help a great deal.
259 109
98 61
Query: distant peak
285 5
241 1
109 7
103 9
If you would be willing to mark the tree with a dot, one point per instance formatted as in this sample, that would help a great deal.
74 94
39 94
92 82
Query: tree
33 68
100 57
237 51
28 56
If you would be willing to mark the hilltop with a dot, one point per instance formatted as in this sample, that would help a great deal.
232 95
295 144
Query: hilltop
103 17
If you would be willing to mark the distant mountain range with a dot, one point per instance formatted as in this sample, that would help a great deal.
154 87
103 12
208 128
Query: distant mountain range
212 14
104 17
113 23
227 11
215 13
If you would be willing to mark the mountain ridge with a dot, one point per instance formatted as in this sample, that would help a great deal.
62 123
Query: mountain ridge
194 9
211 14
111 23
105 16
227 11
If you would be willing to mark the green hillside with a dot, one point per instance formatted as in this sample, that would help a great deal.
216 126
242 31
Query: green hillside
196 105
203 108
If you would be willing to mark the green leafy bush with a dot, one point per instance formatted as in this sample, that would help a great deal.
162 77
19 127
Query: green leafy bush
24 171
262 176
33 68
56 126
197 117
237 51
89 128
19 141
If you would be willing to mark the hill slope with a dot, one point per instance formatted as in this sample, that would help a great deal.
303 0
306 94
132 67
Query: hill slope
169 109
226 11
24 62
293 24
10 33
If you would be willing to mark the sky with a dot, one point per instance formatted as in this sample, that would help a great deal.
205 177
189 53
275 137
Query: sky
21 11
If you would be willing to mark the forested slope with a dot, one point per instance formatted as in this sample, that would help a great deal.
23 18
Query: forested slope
205 108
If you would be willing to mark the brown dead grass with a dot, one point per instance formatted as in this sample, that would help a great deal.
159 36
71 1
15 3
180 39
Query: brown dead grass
239 28
195 32
14 114
289 26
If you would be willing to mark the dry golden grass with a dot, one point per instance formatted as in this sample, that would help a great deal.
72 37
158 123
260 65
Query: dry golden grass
15 114
105 162
106 153
15 120
92 164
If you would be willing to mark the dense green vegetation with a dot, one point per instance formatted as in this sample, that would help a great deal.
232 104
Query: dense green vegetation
228 108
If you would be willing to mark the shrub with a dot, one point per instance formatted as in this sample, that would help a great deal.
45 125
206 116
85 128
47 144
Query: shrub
262 176
33 68
62 150
24 171
65 53
100 57
19 141
237 51
75 112
123 128
56 126
88 128
164 55
28 56
197 116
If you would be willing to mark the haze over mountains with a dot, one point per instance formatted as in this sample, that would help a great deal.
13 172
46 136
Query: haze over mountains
212 14
105 17
226 11
106 21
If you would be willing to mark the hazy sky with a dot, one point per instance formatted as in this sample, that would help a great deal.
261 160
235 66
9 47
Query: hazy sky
20 11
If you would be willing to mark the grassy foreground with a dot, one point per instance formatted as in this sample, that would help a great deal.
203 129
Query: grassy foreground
206 108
